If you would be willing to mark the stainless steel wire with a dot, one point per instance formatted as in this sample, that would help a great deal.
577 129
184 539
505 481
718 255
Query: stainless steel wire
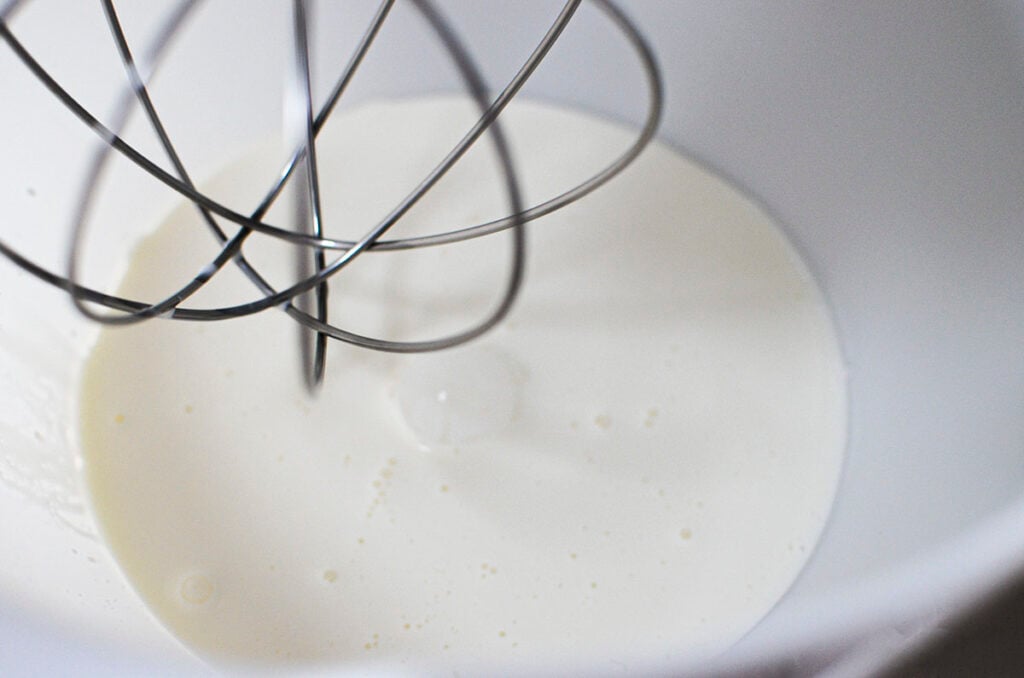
305 155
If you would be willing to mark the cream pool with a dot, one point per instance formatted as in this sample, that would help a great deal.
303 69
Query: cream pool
637 462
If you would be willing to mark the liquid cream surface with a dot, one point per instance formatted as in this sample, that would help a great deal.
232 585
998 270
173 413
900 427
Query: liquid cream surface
635 465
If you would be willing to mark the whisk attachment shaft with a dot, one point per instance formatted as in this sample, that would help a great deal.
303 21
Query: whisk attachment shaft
313 236
319 357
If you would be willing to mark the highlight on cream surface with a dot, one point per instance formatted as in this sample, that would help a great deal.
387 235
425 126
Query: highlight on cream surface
635 464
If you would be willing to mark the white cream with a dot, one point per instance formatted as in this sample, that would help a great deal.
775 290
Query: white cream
635 464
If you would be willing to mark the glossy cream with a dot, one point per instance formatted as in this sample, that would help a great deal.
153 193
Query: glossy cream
635 464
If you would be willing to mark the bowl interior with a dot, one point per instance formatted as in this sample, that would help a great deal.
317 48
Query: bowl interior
886 138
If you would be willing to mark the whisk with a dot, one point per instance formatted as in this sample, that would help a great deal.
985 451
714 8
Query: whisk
303 159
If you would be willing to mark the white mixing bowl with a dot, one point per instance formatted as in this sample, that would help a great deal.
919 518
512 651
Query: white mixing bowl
886 137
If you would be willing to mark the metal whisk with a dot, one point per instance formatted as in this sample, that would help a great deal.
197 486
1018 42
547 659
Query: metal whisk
304 159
